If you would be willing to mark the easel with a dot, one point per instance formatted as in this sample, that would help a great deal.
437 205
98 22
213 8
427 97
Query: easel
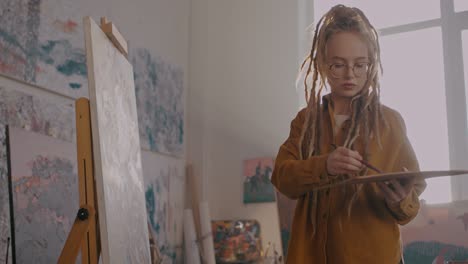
85 230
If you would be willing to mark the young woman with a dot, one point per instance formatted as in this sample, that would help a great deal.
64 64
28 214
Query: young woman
330 139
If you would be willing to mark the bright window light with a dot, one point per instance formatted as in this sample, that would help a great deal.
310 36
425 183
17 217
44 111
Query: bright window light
460 5
413 83
378 11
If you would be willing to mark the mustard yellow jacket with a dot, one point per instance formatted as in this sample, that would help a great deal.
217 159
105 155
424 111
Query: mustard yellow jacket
370 233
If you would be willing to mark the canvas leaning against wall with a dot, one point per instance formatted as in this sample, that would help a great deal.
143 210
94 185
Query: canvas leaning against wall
164 179
45 186
257 185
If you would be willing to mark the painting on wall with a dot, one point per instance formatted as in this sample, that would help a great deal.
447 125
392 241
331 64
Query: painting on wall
237 241
286 208
438 234
41 43
257 185
165 196
116 150
45 185
5 220
159 89
41 115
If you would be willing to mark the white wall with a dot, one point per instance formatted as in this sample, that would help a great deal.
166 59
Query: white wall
243 63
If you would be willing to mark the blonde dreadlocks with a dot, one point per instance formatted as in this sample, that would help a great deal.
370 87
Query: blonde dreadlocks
365 106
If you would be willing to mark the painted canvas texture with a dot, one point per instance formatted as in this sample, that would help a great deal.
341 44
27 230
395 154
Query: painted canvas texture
37 114
160 103
45 194
164 179
438 234
257 185
236 241
116 147
41 43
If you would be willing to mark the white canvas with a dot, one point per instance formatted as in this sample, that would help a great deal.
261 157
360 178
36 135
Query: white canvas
116 146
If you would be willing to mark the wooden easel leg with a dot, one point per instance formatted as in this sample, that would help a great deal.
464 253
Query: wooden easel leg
77 234
90 249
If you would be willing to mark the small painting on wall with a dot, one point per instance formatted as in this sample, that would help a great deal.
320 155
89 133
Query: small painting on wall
257 185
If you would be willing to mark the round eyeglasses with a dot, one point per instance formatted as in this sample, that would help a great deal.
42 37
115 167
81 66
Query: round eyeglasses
339 70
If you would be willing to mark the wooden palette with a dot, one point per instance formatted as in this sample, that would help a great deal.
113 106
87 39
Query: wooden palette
396 175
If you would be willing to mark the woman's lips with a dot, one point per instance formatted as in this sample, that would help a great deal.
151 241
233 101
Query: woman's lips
349 86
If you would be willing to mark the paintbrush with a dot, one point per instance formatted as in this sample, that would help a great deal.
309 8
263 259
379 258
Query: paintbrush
367 164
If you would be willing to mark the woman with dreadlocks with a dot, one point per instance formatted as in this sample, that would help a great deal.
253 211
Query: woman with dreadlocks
329 141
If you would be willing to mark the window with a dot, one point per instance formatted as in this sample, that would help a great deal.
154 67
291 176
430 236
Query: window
378 11
465 61
460 5
416 89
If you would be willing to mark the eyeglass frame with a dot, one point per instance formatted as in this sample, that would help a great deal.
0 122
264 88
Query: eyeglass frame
347 67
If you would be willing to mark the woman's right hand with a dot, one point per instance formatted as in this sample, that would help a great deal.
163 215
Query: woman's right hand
344 161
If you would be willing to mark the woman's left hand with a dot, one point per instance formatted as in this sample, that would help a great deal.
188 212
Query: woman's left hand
395 191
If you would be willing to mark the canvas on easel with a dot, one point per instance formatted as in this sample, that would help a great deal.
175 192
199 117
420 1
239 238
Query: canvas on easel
116 150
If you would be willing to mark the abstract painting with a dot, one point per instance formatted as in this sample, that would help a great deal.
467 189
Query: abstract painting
286 208
160 103
116 146
5 220
237 241
257 185
41 115
164 179
45 194
438 234
42 44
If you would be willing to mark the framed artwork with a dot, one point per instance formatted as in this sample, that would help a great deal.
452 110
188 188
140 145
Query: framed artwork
257 185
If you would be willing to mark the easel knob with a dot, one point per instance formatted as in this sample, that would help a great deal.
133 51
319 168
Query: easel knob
83 214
